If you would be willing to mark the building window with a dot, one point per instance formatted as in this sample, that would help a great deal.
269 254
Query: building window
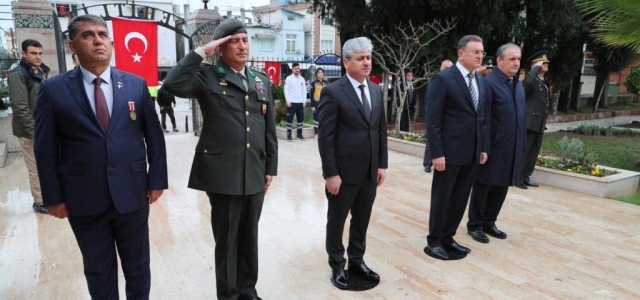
266 44
291 43
291 18
326 46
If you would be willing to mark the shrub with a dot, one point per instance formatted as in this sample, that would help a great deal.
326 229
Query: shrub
575 159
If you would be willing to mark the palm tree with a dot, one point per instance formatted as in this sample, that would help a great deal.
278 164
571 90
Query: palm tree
616 22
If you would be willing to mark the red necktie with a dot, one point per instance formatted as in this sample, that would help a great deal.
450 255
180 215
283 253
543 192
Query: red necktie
102 110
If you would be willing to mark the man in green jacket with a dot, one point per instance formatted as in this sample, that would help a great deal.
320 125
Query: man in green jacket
237 153
24 85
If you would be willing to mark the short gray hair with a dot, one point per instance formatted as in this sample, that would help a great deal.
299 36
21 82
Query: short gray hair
466 39
503 49
355 45
73 26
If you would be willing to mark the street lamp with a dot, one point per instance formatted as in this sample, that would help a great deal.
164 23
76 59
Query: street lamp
205 3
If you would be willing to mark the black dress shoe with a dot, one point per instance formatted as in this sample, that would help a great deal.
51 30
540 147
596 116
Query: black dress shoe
530 183
339 279
364 271
494 232
457 248
479 236
436 252
427 169
521 185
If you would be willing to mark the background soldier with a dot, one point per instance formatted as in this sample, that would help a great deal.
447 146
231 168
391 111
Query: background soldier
537 93
487 65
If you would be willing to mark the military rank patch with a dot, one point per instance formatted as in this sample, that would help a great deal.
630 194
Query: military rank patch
223 81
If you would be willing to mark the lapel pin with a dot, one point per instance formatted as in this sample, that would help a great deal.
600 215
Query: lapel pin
119 85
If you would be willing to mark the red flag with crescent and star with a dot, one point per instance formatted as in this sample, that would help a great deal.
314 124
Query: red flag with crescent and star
273 71
135 43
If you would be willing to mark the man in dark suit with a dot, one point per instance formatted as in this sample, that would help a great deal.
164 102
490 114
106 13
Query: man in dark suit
426 159
537 93
237 154
352 139
95 131
409 104
506 136
455 125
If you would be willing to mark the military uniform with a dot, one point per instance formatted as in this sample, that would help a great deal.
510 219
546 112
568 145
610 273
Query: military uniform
537 94
237 148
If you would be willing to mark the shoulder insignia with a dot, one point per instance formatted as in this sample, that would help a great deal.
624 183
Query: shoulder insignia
221 71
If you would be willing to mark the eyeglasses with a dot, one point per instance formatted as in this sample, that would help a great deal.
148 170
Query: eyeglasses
477 52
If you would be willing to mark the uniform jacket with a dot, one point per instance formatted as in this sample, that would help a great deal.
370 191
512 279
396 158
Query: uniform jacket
351 146
238 144
78 163
24 84
455 129
537 93
506 109
165 99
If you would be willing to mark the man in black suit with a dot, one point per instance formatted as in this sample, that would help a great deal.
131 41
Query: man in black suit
505 112
455 127
426 160
352 138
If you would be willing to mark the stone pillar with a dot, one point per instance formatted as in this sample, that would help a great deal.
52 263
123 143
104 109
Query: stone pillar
33 19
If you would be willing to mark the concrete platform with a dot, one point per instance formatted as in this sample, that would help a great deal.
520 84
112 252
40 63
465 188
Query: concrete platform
561 245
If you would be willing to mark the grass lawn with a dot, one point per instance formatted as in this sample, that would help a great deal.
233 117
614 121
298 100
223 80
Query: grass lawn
589 109
612 151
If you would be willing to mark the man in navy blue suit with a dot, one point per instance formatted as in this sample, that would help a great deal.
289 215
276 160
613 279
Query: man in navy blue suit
505 114
455 134
95 131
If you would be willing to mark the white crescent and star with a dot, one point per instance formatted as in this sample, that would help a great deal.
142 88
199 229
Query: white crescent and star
135 35
269 70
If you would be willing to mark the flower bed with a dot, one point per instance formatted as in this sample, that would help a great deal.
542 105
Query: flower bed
570 166
408 136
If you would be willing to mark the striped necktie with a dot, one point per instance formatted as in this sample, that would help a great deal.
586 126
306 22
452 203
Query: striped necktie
472 90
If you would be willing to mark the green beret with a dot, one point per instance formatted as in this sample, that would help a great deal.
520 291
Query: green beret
229 27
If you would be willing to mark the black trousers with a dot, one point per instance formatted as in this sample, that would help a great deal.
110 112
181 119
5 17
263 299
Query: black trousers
534 142
100 236
296 110
234 220
485 205
404 119
449 196
315 121
357 199
168 110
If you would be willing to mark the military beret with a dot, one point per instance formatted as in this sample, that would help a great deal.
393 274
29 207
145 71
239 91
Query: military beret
488 61
229 27
540 56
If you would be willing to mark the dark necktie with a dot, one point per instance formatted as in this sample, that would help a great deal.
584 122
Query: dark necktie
472 90
244 81
365 103
102 110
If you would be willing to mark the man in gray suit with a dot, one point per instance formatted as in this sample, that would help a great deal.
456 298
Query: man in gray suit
352 138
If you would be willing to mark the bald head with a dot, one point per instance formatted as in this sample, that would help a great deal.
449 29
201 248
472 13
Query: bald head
445 64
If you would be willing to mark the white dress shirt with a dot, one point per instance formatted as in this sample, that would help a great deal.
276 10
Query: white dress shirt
356 86
465 73
295 89
106 86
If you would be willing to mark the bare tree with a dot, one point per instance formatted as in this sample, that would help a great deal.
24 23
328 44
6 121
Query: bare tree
399 52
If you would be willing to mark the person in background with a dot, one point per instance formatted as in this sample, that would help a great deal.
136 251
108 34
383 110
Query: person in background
295 92
316 88
487 66
167 102
24 85
76 63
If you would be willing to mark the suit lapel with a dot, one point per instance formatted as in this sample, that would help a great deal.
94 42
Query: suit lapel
119 98
348 89
376 101
462 82
75 84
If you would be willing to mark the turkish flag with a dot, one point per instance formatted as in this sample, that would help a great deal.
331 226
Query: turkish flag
136 47
273 70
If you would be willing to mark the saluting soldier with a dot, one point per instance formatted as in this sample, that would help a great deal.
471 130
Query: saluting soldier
537 92
487 65
237 153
